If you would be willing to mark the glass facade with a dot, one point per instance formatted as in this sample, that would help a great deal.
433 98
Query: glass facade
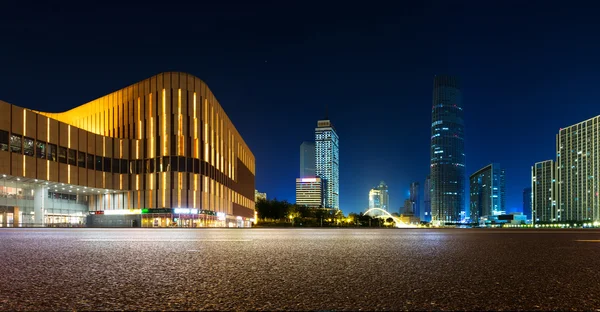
307 160
487 192
379 197
447 151
327 165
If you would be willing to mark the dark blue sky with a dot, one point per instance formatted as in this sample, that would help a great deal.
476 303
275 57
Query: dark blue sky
526 69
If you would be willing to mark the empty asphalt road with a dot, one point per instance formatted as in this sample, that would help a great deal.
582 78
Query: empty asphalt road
299 269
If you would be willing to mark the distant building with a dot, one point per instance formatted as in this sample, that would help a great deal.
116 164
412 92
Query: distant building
409 207
259 196
415 198
327 162
307 160
408 215
527 202
487 192
516 218
309 192
426 211
379 197
578 172
447 153
543 189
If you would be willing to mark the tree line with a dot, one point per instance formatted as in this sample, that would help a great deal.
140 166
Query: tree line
274 212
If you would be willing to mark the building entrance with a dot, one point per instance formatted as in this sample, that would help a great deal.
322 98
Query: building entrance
9 216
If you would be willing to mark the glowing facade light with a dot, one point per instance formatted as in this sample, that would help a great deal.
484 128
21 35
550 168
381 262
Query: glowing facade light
185 211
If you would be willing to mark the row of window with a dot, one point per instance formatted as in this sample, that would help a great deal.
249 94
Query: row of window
43 150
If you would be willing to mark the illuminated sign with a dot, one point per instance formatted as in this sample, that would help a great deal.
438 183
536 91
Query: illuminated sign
157 210
308 180
185 211
221 216
122 212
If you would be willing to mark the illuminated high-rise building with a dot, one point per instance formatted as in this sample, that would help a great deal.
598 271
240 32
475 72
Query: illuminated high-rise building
379 197
158 153
307 160
447 169
543 190
309 192
327 162
578 172
487 192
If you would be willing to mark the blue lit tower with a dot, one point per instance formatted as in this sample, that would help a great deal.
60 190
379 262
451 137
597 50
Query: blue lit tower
327 161
447 151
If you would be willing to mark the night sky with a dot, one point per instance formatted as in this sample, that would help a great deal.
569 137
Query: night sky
527 69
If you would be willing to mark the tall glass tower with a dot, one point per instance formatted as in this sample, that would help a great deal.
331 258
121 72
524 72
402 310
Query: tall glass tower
327 162
447 151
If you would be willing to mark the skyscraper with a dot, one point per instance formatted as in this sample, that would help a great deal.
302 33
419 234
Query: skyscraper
414 198
577 172
379 197
307 160
426 212
327 166
488 191
527 202
447 151
543 204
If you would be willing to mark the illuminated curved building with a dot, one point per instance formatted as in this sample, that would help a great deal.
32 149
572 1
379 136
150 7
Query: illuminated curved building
161 152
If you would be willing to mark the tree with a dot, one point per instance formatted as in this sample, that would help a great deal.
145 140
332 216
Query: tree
274 209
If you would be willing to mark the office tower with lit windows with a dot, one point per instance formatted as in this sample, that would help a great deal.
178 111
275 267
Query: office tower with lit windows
447 166
307 160
309 192
327 162
543 190
578 172
527 202
379 197
487 192
414 197
159 153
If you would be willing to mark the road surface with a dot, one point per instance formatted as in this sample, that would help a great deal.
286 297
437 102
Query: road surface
299 269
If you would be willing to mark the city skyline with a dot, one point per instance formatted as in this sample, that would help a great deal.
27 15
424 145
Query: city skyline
264 74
